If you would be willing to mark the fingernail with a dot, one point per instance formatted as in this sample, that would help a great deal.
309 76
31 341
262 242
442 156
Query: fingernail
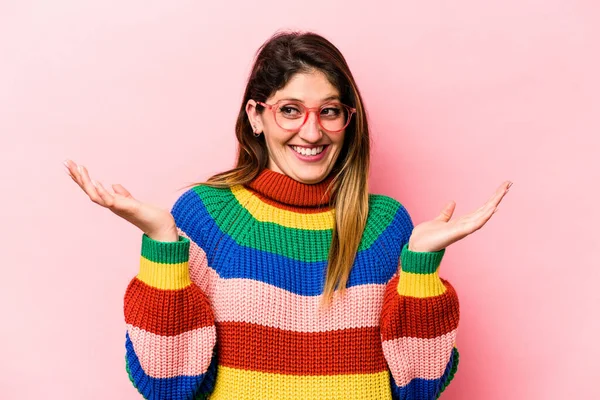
67 171
79 169
509 185
65 163
94 183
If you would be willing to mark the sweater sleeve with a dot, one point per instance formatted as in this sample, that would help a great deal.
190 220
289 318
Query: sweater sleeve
418 324
170 328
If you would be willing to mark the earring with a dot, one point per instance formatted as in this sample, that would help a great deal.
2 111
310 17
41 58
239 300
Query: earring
256 134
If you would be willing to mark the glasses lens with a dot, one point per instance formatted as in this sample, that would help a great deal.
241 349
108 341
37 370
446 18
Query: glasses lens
334 117
291 115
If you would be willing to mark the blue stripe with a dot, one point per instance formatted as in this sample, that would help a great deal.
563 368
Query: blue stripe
178 387
375 265
422 389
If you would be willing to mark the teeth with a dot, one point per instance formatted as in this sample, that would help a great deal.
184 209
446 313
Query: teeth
308 152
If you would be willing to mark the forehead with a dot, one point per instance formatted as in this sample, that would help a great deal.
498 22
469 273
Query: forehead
311 87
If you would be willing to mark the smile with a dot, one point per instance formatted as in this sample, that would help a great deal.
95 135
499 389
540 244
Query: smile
308 152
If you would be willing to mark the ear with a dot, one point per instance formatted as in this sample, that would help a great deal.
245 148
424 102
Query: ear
254 116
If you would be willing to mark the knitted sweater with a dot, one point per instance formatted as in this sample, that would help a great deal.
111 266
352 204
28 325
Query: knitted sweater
231 310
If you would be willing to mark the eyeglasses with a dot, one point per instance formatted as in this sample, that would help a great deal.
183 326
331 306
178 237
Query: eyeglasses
291 115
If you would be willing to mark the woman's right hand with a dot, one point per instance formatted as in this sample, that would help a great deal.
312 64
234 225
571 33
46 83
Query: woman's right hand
156 222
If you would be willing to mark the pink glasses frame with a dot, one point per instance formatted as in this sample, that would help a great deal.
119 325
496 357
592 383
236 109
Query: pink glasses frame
351 111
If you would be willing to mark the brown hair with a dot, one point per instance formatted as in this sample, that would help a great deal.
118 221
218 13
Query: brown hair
277 60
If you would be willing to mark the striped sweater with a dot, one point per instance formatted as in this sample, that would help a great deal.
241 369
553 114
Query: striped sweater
231 310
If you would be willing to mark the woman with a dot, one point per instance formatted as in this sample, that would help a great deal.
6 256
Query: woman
281 278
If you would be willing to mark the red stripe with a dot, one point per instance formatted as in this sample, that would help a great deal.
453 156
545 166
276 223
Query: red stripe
260 348
166 312
423 318
283 189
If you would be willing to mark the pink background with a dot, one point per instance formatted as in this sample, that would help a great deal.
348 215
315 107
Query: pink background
460 95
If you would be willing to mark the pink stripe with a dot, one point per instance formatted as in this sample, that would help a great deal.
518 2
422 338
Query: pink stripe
200 273
271 306
411 358
167 356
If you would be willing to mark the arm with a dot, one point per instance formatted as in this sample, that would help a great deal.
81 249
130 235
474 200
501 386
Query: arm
418 326
171 333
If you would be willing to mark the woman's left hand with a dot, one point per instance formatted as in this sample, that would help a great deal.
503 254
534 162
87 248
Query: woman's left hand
440 232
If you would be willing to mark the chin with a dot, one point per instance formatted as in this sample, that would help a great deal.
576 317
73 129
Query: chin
310 177
310 181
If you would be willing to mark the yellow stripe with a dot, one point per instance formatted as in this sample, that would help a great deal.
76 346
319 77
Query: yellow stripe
164 276
267 213
249 385
420 285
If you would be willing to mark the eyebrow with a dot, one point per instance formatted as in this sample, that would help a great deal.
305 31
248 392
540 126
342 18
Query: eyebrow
332 97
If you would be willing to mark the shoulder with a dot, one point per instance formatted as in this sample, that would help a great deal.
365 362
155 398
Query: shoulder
200 200
381 206
382 202
390 212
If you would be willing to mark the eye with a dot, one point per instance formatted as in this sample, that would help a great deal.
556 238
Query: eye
290 110
331 111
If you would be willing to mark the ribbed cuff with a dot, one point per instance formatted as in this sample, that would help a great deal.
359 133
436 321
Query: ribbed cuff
164 265
420 262
166 252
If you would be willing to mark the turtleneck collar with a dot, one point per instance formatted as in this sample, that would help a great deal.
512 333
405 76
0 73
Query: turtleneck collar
282 189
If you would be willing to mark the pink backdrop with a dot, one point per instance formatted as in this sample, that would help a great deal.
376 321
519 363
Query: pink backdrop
461 96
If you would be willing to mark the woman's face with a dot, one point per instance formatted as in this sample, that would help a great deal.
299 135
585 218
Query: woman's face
285 148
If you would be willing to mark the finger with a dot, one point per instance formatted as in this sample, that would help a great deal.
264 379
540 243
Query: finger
476 222
471 222
476 216
68 163
485 218
492 201
73 169
67 168
108 199
495 199
69 172
78 176
447 212
466 226
75 180
121 190
89 188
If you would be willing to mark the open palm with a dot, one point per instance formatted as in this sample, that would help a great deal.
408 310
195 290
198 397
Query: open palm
440 232
154 221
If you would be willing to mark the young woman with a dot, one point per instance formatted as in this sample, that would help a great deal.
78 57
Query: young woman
283 278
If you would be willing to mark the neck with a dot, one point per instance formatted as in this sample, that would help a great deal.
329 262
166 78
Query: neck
281 189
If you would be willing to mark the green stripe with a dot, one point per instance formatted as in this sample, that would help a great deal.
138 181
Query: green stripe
299 244
166 252
420 262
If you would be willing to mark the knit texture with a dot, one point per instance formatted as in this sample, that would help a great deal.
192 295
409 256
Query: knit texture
231 310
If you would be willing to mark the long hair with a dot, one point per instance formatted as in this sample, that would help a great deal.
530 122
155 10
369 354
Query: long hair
277 61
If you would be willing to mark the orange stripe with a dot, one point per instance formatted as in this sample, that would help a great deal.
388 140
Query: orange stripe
166 312
424 318
260 348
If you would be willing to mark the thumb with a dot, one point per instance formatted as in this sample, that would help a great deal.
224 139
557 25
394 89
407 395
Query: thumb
447 212
121 190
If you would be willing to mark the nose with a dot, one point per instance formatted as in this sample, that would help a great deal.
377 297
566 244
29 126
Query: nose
311 131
